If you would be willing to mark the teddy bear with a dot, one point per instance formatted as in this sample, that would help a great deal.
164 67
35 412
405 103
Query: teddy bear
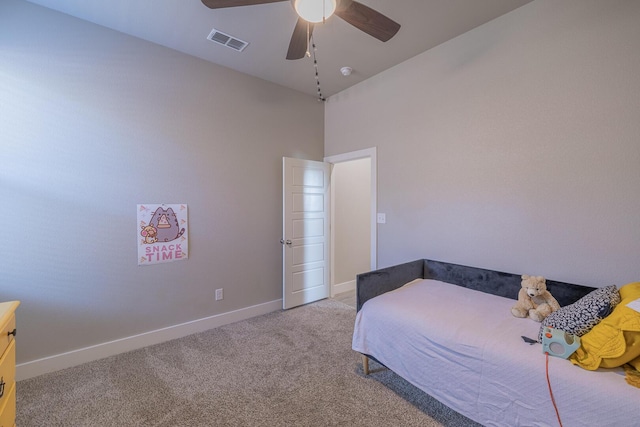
150 234
534 300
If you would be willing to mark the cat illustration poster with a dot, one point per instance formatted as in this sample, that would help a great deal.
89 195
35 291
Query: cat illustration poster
163 233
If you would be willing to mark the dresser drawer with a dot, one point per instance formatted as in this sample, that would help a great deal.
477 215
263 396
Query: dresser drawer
6 331
7 372
8 363
8 410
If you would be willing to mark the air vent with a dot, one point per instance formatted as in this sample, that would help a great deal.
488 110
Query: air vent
227 40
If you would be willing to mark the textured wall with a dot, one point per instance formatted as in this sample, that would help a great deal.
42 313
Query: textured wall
513 147
92 123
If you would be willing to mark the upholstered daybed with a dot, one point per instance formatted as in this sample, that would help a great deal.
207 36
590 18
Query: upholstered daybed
448 330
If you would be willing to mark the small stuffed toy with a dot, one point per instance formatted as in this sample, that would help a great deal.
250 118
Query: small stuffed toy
534 301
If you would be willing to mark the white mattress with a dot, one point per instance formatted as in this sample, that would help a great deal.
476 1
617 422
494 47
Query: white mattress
464 348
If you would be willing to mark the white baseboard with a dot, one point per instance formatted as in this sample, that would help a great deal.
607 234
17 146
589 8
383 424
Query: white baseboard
343 287
77 357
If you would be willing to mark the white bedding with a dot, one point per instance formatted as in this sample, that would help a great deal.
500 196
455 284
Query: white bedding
464 348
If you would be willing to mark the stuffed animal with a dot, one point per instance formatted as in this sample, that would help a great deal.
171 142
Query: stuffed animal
534 301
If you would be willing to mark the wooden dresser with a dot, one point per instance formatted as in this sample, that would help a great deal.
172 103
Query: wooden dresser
8 363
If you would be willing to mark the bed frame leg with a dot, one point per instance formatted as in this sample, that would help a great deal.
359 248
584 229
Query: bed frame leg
365 364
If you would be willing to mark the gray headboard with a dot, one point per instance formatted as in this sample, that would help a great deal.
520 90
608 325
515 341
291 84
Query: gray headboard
377 282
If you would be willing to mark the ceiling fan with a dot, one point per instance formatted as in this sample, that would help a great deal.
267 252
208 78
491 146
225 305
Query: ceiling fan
360 16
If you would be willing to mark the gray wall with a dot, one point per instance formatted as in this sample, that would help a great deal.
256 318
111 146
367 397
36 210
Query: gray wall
351 219
93 122
515 146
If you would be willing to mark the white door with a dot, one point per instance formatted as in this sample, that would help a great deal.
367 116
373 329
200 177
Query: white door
305 243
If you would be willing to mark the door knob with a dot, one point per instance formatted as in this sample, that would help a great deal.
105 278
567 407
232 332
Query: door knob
288 242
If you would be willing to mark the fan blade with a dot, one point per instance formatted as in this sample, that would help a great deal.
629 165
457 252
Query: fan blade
219 4
299 41
368 20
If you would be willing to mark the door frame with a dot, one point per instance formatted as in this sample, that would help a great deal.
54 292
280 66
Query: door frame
370 153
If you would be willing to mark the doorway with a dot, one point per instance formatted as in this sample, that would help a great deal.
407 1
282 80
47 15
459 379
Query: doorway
352 218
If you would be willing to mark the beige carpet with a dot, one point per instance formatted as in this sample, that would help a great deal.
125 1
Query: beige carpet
287 368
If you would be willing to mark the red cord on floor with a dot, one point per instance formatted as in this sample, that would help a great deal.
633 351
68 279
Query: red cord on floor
553 400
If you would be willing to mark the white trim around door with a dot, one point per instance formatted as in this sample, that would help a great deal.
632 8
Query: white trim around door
370 153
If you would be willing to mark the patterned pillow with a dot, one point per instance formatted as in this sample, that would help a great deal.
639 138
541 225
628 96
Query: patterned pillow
578 318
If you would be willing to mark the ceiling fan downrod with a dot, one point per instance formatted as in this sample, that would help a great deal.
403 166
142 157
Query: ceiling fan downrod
307 53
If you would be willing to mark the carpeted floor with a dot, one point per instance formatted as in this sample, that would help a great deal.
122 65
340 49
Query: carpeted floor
287 368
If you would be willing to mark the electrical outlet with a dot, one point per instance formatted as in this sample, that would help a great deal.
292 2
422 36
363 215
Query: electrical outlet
219 294
381 218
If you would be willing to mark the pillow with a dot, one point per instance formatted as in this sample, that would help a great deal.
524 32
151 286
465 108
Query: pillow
578 318
635 363
630 291
614 341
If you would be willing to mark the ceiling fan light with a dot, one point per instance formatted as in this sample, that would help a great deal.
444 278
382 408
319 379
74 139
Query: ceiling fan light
314 10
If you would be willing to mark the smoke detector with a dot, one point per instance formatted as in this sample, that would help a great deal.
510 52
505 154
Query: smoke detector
346 71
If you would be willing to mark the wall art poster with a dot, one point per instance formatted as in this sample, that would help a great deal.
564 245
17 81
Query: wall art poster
163 233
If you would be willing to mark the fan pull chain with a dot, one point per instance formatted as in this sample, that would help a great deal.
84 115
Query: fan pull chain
315 65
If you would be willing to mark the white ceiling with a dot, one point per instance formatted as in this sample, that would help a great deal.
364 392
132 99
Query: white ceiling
184 25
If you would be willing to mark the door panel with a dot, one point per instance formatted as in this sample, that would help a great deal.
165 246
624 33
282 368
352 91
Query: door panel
305 254
308 279
308 227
